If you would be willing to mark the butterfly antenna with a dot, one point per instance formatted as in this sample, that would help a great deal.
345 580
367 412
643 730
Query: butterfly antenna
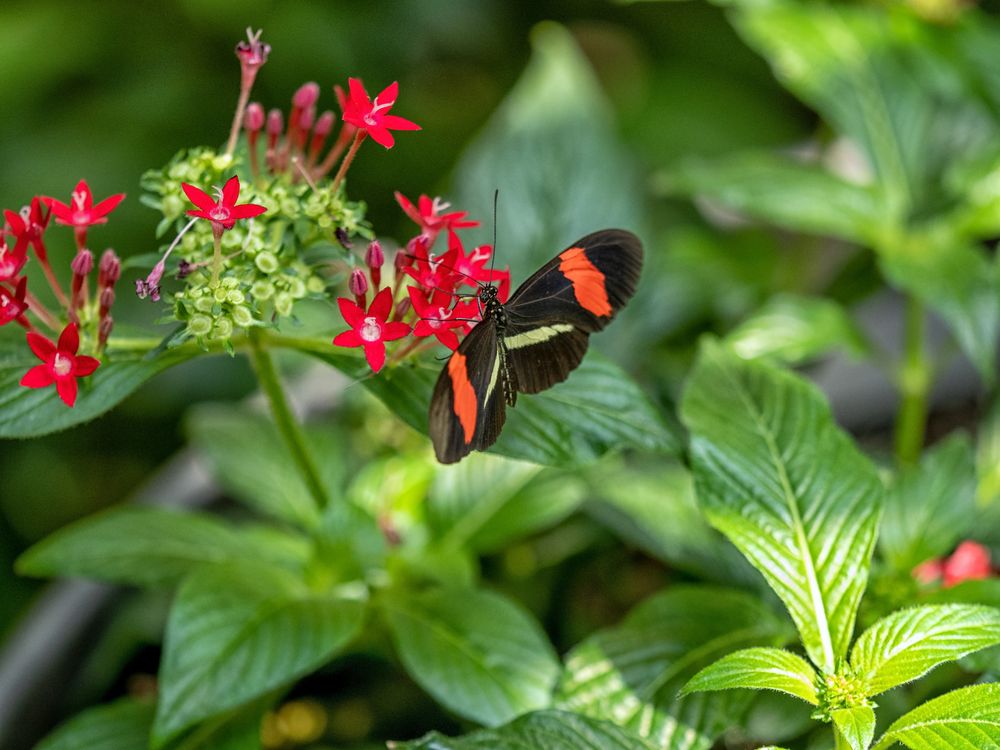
474 280
493 256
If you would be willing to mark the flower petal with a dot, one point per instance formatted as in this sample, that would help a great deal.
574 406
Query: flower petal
67 390
381 306
198 197
41 346
69 339
375 354
399 123
231 191
395 330
15 221
358 95
84 189
86 365
408 208
38 376
380 135
350 311
246 211
448 338
389 94
348 338
59 209
106 206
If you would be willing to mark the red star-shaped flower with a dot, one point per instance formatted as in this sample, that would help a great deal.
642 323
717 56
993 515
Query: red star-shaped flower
437 317
12 304
429 217
370 329
82 212
373 116
222 212
61 365
428 271
472 267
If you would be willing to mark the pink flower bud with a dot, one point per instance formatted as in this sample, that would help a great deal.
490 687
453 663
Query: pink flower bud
306 118
374 257
107 299
323 125
358 284
275 124
83 263
402 307
306 95
110 268
253 118
104 330
401 261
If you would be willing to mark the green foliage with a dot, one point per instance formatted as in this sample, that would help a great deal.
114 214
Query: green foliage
477 652
122 725
759 669
964 719
774 474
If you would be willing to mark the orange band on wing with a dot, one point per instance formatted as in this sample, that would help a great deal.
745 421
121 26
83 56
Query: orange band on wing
587 280
464 396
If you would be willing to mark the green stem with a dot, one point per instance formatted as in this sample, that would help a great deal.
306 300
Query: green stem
914 386
288 426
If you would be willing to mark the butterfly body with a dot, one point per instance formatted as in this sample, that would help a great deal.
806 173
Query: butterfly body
532 341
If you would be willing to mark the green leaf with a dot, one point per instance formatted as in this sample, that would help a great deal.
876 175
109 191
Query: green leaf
122 725
478 653
598 409
759 669
930 507
249 459
856 725
790 490
487 501
781 191
632 673
964 719
561 170
958 282
794 329
147 546
655 509
551 730
235 633
31 412
909 643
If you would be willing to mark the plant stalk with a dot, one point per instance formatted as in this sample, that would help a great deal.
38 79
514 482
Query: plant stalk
288 426
914 386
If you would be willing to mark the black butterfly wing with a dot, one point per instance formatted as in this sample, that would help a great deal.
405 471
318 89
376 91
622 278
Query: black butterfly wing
550 316
468 405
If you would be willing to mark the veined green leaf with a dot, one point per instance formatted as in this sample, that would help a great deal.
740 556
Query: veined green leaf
856 725
238 632
598 409
122 725
478 653
777 189
758 669
930 507
148 546
551 730
790 490
964 719
909 643
30 412
794 329
632 674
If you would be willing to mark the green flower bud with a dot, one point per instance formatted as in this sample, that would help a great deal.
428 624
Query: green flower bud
266 262
242 316
235 297
283 302
220 293
296 287
222 162
204 304
223 328
199 325
315 285
230 282
262 289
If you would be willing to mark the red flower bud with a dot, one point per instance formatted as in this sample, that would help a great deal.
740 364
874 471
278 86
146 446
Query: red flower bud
358 286
306 95
374 257
275 124
107 299
104 330
253 118
324 125
110 268
402 307
83 263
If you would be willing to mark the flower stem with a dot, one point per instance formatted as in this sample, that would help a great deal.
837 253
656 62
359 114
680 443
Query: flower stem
217 255
351 153
41 312
914 385
288 426
241 106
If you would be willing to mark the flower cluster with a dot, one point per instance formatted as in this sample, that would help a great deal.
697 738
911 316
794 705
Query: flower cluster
440 302
81 310
255 248
969 561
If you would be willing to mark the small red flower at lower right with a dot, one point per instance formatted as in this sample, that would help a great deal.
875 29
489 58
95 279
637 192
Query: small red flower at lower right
370 329
60 363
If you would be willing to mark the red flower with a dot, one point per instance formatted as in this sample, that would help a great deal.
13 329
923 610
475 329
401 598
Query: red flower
472 267
222 212
437 317
427 214
61 365
12 260
373 116
12 305
428 271
969 560
370 329
83 212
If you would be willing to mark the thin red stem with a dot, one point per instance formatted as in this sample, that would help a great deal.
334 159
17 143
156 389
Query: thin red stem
351 153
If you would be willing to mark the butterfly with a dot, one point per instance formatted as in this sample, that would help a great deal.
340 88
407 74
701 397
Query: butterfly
532 341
